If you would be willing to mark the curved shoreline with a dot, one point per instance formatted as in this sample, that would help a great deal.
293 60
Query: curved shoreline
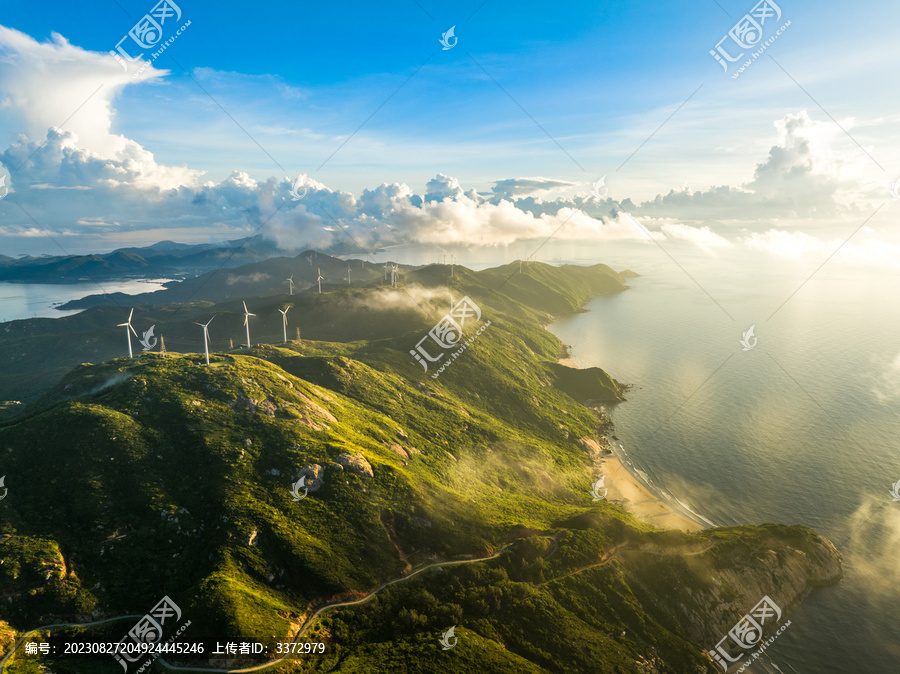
631 492
652 507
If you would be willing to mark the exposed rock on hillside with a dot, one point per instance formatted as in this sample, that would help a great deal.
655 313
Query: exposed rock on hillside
356 464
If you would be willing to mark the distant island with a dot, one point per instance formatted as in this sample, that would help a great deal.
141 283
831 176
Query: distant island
267 492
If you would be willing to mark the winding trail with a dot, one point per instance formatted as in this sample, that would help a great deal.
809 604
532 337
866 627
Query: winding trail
306 625
328 607
605 559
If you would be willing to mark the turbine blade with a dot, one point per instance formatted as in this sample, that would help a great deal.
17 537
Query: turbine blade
130 315
132 329
245 307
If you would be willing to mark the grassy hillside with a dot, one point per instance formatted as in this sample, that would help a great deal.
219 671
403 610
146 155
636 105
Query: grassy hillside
134 479
36 353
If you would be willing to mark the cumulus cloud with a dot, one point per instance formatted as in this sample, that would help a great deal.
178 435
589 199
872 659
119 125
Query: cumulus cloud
702 237
45 84
85 178
803 176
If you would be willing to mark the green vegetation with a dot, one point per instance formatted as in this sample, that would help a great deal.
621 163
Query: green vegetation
134 479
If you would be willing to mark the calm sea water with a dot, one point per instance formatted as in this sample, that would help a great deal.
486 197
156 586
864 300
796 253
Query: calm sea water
802 429
30 300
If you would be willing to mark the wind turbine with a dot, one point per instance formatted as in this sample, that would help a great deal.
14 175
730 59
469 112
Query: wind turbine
393 276
320 280
247 316
385 272
291 282
348 274
127 326
284 321
206 336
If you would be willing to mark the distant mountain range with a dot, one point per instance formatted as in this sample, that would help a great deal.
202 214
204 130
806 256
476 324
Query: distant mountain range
163 259
267 277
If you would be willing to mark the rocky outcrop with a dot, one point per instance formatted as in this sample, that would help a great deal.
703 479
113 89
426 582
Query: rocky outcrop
355 464
315 476
709 590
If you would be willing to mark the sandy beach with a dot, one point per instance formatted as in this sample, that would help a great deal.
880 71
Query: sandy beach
626 491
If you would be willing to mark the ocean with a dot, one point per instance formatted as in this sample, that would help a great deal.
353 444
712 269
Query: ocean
38 300
802 428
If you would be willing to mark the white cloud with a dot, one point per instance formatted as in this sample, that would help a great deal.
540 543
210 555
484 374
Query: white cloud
47 83
85 177
702 237
516 187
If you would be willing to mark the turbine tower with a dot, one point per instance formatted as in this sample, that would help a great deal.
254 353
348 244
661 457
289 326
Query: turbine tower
247 316
284 321
348 274
206 336
127 326
394 276
320 280
291 282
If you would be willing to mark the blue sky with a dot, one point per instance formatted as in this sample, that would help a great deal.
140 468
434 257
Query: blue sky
599 78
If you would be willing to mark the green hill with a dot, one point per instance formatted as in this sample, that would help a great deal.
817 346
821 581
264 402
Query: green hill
131 480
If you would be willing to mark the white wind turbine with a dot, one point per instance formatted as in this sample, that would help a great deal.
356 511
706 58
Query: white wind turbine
206 336
320 280
291 282
247 316
284 321
385 272
127 326
393 276
348 274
